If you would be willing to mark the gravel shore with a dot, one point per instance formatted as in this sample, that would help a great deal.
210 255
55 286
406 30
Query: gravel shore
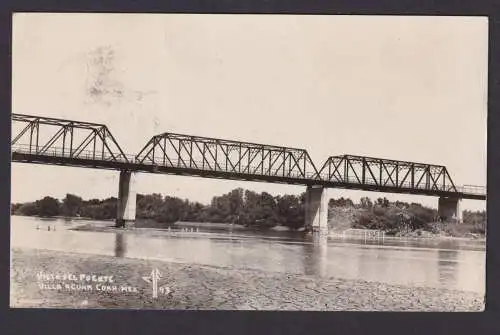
189 286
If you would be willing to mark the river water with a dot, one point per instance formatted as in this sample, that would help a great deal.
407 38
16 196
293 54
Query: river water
453 264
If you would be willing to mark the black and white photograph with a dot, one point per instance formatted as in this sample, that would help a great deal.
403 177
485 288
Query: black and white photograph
248 162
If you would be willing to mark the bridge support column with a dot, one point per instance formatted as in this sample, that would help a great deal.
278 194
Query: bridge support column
449 208
127 197
316 209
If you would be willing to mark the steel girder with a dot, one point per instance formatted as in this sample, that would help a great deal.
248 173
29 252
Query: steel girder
43 136
218 155
386 173
45 140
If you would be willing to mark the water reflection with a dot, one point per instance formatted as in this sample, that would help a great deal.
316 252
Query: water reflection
447 267
120 245
316 255
312 255
372 263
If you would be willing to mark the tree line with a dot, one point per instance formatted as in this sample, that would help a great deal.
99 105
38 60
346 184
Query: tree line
251 209
239 206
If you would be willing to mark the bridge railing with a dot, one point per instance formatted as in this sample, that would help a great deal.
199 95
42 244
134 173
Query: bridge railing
84 154
472 189
196 165
407 184
243 169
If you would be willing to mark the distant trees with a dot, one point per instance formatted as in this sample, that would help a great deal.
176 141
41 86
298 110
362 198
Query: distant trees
71 205
28 209
99 210
259 210
228 208
252 209
341 202
15 207
476 221
366 203
475 218
383 202
394 216
48 207
290 211
421 216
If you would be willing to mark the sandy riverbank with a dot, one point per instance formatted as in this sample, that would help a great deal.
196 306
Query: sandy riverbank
205 287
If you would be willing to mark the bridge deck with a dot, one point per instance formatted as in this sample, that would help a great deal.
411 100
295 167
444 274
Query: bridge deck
128 162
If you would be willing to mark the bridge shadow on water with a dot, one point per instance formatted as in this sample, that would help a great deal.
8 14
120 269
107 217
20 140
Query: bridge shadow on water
120 245
447 269
316 256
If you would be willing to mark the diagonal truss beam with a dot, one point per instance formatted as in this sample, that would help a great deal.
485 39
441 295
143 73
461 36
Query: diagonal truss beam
350 169
50 138
213 154
43 136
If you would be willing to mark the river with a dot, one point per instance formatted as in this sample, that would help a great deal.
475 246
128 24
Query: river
453 264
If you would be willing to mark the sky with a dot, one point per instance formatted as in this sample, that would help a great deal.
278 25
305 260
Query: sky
405 88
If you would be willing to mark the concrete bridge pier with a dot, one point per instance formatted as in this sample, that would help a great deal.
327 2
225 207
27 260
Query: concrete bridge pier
127 197
449 208
316 209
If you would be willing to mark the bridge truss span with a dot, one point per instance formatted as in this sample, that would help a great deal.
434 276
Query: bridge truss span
53 141
227 158
44 140
386 174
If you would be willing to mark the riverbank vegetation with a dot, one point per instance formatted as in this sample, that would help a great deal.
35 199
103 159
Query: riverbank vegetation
251 209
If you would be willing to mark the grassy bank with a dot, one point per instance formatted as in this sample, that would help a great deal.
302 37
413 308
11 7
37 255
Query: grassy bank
414 222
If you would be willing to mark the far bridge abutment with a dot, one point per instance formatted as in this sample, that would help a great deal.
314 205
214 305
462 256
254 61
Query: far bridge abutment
449 209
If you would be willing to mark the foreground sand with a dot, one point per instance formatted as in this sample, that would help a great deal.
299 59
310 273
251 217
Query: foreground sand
206 287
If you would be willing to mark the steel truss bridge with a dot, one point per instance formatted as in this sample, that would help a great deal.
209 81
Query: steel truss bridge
43 140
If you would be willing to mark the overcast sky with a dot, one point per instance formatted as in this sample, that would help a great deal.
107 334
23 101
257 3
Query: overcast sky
408 88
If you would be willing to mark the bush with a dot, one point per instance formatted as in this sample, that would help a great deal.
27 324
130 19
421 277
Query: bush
48 207
28 209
